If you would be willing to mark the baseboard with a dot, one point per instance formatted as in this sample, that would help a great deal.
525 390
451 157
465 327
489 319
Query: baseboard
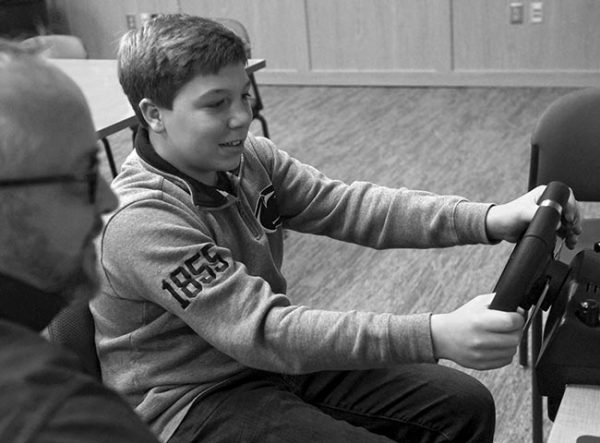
464 78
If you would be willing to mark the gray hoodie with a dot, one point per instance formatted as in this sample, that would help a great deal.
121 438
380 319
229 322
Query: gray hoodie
192 290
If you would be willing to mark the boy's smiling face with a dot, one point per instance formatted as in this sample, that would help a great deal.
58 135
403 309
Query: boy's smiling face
204 132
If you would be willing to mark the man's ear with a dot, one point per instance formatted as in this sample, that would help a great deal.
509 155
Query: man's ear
152 115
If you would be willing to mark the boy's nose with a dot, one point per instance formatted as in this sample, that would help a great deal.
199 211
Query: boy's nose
241 116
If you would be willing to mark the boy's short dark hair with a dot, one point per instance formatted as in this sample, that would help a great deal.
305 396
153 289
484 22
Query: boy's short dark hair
158 59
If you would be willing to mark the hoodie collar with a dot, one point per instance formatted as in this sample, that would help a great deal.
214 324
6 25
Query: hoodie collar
202 194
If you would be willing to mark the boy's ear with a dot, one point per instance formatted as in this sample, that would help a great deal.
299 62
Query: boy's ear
151 114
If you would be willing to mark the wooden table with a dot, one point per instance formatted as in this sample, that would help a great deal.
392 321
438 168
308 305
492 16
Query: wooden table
578 416
111 111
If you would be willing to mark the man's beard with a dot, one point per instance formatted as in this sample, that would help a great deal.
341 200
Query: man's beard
77 279
69 271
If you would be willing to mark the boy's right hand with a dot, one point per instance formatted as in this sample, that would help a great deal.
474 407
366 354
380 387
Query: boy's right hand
477 337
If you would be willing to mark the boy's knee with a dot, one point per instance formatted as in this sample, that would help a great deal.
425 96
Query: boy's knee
476 396
476 410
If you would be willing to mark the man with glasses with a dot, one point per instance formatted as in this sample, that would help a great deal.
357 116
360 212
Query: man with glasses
51 202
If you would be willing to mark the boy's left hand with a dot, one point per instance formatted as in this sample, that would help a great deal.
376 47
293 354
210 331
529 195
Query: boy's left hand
509 220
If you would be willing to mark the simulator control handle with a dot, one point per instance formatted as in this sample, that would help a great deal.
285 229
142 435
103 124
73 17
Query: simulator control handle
533 253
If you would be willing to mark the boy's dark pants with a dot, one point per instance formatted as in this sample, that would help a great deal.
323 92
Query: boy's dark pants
408 403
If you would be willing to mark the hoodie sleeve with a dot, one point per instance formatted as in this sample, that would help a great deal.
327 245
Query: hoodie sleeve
368 214
181 269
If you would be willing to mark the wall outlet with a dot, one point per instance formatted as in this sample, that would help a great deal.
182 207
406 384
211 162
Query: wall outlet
536 12
131 23
517 13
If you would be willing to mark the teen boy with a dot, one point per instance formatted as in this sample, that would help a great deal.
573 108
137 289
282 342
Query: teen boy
193 324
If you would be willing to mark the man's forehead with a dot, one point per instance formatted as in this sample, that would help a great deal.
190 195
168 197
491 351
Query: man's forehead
42 90
76 158
35 80
229 77
46 115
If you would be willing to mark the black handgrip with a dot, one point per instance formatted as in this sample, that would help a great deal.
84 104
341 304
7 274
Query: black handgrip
533 252
557 192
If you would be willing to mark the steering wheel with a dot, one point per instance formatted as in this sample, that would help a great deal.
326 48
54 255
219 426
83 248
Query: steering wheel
533 253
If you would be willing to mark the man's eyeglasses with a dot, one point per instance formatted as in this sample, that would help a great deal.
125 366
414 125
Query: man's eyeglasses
90 177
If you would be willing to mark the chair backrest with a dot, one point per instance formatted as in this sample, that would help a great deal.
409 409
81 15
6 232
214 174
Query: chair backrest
565 144
57 46
73 328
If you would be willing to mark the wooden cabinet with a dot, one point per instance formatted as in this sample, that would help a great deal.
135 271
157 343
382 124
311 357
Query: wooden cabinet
386 35
100 24
277 28
568 38
385 42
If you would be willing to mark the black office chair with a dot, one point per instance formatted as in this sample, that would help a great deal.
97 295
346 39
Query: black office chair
73 328
565 146
256 102
66 46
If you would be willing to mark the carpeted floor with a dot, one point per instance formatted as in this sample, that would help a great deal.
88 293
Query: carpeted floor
467 141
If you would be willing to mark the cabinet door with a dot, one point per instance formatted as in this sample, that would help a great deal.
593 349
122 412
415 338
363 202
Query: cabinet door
389 35
277 28
100 24
382 42
567 38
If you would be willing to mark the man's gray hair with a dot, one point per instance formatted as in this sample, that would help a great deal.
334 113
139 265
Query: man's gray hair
18 144
18 140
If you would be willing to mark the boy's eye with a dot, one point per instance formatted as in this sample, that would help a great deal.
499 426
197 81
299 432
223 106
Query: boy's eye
216 104
247 96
